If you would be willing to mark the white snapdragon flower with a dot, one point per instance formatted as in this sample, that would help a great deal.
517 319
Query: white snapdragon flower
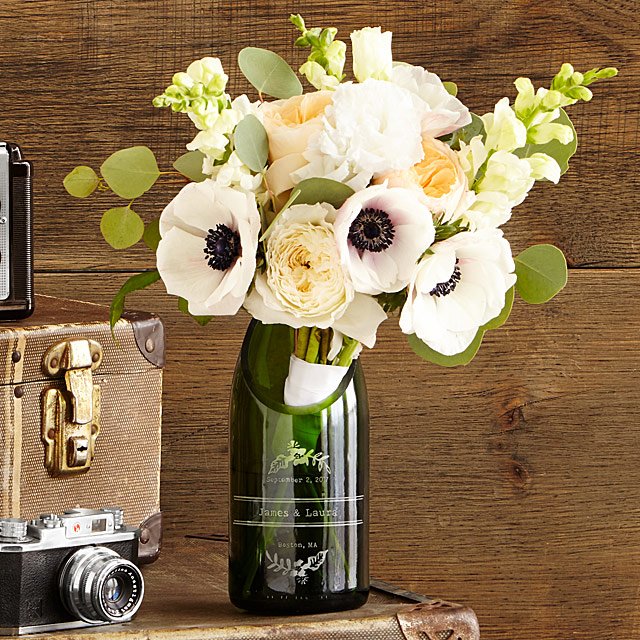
368 129
233 173
207 254
505 184
505 132
472 156
214 137
441 113
305 284
458 288
371 48
381 234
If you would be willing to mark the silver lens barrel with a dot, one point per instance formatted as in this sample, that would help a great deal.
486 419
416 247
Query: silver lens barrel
97 586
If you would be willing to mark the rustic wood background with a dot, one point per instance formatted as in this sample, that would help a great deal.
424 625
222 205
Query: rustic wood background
512 485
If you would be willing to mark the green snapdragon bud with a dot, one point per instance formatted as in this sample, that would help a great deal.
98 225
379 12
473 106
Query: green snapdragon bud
199 90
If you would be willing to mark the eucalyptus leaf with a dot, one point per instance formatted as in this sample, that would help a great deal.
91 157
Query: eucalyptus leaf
251 143
130 172
451 87
121 227
460 359
190 166
134 283
502 317
466 133
269 73
81 181
542 273
561 153
314 191
151 235
183 306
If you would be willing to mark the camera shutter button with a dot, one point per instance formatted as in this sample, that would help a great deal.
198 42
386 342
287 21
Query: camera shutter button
14 528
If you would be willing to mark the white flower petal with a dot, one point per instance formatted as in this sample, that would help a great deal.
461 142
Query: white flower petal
361 320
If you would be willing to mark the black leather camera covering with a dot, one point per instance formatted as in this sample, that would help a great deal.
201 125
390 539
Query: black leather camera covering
29 593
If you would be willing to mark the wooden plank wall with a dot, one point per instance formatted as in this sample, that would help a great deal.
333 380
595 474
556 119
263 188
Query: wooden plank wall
512 485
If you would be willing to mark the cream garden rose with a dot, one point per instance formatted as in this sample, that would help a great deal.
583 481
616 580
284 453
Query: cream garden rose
305 284
290 124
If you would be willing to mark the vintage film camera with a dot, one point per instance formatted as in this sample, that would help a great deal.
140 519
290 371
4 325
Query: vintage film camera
16 255
66 571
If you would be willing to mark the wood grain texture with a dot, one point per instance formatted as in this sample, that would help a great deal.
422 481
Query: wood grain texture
79 77
510 485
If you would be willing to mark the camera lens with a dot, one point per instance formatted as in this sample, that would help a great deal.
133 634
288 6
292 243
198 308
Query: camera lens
97 585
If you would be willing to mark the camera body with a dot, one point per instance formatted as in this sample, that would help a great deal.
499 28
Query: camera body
16 250
67 571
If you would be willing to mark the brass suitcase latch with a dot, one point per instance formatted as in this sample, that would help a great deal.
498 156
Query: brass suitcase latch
71 416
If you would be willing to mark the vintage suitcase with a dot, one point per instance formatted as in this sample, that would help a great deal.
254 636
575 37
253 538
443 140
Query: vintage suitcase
186 599
80 414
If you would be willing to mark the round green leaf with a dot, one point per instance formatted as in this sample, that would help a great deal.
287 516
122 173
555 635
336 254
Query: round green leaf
121 227
451 87
130 172
502 317
561 153
541 271
251 143
190 166
313 191
460 359
269 73
81 182
151 235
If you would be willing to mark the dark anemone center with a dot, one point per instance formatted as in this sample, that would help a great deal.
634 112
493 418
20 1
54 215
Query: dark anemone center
222 247
372 230
445 288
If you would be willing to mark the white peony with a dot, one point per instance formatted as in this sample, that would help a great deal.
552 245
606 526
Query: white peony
207 253
381 233
457 289
304 283
371 49
505 132
370 128
441 113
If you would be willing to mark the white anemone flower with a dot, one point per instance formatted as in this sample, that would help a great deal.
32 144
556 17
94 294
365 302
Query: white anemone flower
458 288
441 113
207 254
370 128
381 234
305 284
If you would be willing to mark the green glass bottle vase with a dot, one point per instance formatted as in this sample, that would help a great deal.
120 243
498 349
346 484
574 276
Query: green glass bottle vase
299 480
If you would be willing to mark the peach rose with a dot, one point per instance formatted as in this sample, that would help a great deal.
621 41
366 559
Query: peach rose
289 124
439 176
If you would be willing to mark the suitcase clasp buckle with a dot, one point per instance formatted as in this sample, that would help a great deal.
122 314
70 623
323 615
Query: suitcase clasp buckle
71 416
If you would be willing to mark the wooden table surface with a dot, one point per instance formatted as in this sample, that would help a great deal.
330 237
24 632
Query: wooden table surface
512 485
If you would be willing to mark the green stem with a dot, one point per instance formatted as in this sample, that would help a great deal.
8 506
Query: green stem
325 340
314 346
303 342
345 356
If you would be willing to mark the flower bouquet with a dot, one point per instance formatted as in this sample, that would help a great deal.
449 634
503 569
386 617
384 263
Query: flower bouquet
322 214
